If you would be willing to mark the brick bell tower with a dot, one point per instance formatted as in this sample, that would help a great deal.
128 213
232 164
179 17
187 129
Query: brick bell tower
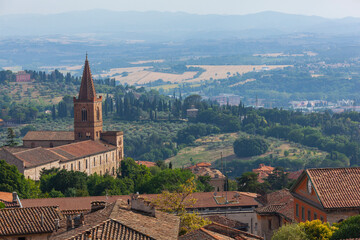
87 109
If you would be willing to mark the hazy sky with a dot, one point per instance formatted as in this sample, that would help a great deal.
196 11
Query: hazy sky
325 8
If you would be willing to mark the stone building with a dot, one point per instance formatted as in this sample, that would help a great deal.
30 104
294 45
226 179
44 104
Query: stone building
328 194
276 212
88 148
217 179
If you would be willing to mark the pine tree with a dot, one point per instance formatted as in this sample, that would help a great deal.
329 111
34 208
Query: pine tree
10 140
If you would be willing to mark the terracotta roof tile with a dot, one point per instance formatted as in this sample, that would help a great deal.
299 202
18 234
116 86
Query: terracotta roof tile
199 234
204 200
279 202
215 231
82 149
294 175
124 221
49 136
6 196
146 163
18 221
37 156
227 222
231 232
110 229
336 187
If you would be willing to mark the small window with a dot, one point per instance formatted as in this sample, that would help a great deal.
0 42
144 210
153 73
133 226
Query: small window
303 213
100 173
321 218
309 215
79 134
106 157
86 163
297 210
269 223
72 168
79 166
315 216
51 145
64 167
21 238
88 135
83 115
113 171
94 162
100 160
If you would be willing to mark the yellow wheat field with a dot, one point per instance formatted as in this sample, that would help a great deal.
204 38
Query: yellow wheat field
143 75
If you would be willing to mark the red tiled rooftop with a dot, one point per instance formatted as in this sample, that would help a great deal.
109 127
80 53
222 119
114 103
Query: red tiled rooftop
6 196
146 163
37 156
204 200
279 202
83 148
49 136
21 221
336 187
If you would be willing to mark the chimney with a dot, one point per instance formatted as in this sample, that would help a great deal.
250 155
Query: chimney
97 205
69 223
139 204
57 224
42 219
15 196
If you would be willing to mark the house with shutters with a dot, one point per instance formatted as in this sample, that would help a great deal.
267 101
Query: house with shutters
328 194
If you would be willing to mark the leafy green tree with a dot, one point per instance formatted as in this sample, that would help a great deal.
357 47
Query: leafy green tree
248 182
139 174
247 147
70 183
290 232
177 201
11 180
168 179
26 129
348 229
204 184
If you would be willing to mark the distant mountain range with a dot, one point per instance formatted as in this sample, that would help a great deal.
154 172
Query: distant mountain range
172 26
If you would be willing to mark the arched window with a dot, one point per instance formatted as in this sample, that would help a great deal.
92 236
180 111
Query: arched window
98 113
83 115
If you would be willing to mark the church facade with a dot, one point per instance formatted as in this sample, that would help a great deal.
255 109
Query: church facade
87 149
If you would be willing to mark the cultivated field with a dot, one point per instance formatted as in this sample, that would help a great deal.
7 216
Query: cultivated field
210 148
143 75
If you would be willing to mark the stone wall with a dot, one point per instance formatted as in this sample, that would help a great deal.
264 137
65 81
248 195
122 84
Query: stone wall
45 144
11 159
101 163
34 172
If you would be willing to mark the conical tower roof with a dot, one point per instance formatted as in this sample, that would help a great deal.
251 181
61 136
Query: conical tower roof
87 89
